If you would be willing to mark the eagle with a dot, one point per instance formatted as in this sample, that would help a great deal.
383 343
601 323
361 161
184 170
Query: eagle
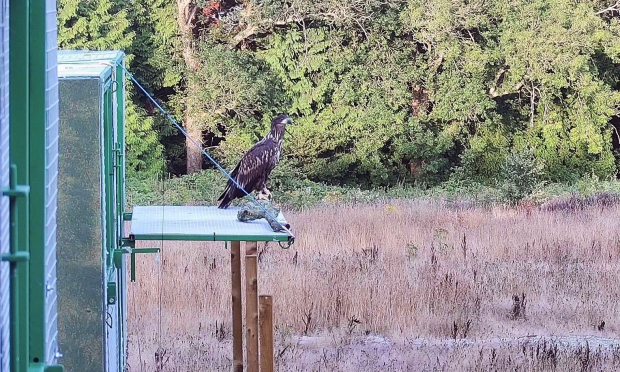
253 169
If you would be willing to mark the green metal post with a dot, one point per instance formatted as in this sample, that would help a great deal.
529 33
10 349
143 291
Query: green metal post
19 22
120 200
37 50
108 132
133 266
120 140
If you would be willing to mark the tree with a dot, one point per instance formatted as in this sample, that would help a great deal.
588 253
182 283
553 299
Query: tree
97 24
509 74
186 18
104 25
158 63
381 91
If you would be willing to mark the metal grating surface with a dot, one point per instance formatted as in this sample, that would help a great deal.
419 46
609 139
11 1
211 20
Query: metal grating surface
51 179
199 223
4 182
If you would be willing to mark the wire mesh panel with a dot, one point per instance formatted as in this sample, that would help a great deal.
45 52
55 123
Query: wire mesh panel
4 182
80 226
51 177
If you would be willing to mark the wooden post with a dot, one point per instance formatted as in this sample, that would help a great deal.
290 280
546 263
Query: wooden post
251 306
266 333
237 326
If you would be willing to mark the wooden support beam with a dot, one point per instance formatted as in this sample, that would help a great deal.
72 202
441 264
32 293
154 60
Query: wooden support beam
266 333
251 306
237 326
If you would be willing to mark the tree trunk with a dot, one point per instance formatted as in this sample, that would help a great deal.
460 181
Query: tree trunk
186 14
194 155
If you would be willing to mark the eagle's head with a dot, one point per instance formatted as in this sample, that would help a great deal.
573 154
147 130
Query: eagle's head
281 120
278 127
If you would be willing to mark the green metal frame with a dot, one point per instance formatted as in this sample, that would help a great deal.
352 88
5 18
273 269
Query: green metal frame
85 65
28 104
110 179
213 238
37 134
17 257
19 61
119 151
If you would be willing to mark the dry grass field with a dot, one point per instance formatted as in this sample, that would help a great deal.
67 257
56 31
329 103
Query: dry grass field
406 286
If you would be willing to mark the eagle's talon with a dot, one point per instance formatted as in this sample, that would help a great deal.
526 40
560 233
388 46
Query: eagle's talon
267 193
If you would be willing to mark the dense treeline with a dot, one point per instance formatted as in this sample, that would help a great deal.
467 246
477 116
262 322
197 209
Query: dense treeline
382 91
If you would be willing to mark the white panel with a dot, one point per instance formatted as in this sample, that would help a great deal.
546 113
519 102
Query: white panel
4 182
51 177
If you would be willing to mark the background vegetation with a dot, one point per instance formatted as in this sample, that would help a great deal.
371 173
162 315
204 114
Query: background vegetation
383 92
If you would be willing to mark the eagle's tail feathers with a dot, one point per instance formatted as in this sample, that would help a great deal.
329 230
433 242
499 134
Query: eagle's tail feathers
227 196
231 189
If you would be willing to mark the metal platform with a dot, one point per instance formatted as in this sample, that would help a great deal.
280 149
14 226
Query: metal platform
199 223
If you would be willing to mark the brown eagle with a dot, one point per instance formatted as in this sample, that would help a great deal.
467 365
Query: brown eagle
254 168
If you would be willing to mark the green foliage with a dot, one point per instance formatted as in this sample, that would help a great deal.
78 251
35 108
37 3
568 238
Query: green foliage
156 45
158 63
416 92
234 90
574 97
112 24
521 175
351 102
144 151
97 24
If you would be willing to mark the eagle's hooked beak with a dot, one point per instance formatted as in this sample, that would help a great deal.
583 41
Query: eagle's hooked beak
288 121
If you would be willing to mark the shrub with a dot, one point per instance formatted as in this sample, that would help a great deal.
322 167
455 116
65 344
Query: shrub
522 173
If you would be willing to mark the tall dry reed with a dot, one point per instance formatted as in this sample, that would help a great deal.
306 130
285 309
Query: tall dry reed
404 270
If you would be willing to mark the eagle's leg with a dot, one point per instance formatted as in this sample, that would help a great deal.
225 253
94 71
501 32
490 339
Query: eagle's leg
264 194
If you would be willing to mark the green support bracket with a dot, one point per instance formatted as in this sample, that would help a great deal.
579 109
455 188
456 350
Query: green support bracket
111 293
133 259
145 250
19 256
127 216
54 368
131 244
118 257
128 243
15 190
116 150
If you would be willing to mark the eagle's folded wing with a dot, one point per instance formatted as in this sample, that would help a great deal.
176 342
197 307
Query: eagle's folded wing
251 171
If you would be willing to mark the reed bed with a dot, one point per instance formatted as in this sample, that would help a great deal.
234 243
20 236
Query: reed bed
411 285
